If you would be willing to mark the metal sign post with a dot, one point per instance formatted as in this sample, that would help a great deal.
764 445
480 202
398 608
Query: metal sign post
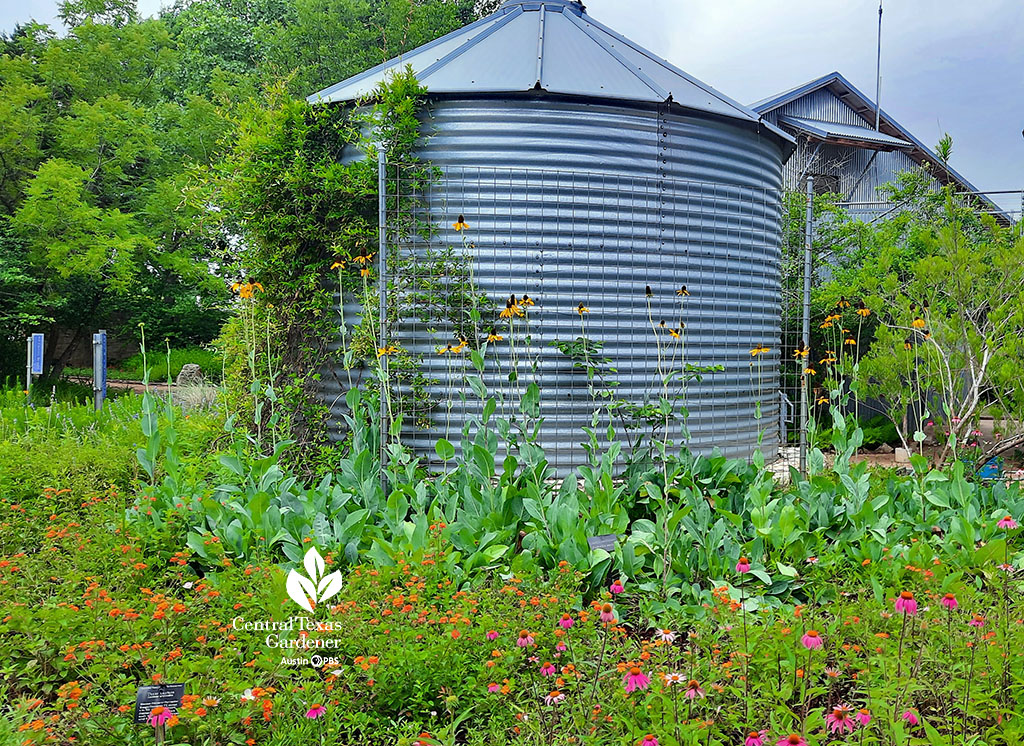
382 289
99 368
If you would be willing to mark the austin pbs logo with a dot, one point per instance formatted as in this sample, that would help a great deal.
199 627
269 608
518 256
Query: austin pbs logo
307 592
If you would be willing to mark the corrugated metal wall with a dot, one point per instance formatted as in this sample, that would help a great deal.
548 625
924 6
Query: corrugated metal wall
589 203
859 171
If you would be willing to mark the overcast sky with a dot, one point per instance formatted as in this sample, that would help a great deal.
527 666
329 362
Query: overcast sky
947 65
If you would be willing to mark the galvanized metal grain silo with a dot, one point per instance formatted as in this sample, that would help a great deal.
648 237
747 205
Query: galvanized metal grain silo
592 172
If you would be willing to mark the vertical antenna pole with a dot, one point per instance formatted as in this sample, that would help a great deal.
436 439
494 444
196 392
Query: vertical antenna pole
382 285
878 71
806 331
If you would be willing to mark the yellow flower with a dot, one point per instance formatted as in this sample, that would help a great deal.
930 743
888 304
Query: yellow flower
442 350
661 324
364 272
582 309
460 224
843 303
825 325
918 323
822 400
492 337
460 346
338 265
759 351
849 341
810 371
682 291
675 333
526 300
364 260
825 360
247 289
801 351
864 311
389 350
511 309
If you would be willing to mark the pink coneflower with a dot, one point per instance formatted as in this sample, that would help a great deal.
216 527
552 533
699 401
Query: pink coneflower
561 647
159 715
1006 567
607 613
493 688
832 673
910 716
977 620
553 698
743 566
840 720
547 669
617 587
812 560
811 640
315 711
648 740
525 639
566 621
949 601
492 635
755 738
863 716
635 679
1007 522
665 635
793 739
693 690
906 603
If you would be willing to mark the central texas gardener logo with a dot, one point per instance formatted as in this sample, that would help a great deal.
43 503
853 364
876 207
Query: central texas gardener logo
318 587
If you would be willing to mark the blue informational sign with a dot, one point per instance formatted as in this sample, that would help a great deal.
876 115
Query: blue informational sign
37 354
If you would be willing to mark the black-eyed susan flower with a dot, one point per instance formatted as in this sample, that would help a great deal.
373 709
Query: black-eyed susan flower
843 303
511 309
801 351
525 300
849 341
582 309
675 333
822 400
443 350
460 346
918 323
492 337
827 359
661 324
682 291
385 351
247 289
908 343
648 292
363 259
364 272
825 324
759 350
809 371
862 310
340 264
461 224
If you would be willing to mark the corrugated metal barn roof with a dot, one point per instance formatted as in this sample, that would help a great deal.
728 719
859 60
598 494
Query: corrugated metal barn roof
831 131
549 45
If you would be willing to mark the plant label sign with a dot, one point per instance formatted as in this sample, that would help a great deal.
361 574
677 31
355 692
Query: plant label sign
604 541
37 354
160 695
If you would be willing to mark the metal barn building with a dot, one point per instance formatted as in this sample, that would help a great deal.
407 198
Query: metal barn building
837 143
592 173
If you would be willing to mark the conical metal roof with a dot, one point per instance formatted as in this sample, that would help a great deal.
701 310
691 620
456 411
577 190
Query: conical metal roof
549 45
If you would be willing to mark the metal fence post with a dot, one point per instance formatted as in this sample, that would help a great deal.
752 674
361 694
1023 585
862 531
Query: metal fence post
806 336
382 285
28 365
99 368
